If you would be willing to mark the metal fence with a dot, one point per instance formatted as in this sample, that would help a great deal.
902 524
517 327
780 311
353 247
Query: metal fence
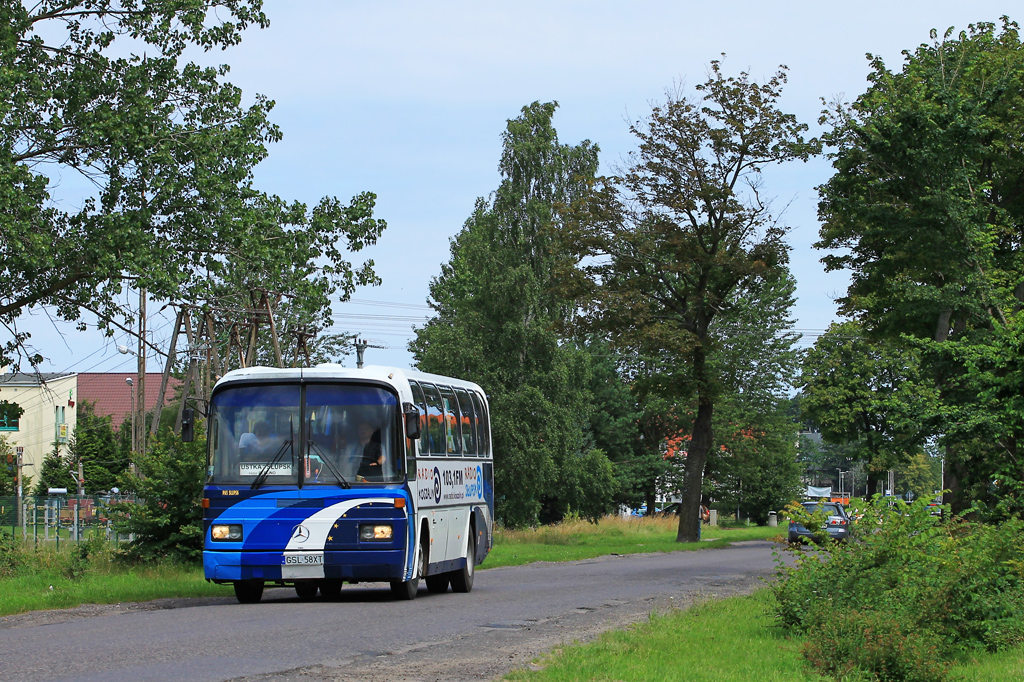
59 518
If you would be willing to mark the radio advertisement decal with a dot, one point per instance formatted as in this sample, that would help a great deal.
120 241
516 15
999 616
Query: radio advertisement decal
440 483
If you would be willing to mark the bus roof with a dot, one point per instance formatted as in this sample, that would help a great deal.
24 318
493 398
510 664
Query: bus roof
391 375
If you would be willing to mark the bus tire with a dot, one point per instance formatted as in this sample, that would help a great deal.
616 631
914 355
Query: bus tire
331 589
462 580
306 590
437 584
248 591
405 590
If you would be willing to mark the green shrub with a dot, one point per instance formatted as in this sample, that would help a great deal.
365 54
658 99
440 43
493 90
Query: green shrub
936 587
878 644
80 558
166 519
10 555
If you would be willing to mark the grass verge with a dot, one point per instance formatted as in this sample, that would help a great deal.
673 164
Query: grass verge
45 578
573 540
722 640
727 640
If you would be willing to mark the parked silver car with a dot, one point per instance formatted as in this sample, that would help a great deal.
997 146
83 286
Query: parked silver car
837 522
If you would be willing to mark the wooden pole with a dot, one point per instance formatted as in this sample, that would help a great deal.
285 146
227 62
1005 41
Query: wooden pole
250 358
158 408
187 388
140 403
273 332
212 333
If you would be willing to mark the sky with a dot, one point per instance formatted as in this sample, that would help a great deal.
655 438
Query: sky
409 100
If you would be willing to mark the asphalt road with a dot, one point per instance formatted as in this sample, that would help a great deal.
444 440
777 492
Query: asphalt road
517 611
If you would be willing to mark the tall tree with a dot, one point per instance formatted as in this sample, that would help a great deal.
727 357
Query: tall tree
660 251
926 209
167 150
754 468
95 444
8 469
495 322
869 395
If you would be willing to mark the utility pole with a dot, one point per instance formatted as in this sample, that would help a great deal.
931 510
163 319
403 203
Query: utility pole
18 463
361 346
171 356
139 430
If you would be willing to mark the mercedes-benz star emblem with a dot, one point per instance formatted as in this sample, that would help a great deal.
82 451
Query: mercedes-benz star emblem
300 533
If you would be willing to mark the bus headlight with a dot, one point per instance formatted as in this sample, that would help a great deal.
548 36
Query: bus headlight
228 532
378 532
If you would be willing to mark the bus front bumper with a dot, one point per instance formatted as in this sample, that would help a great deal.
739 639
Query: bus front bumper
357 565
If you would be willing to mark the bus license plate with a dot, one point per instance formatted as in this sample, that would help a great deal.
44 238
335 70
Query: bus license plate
304 559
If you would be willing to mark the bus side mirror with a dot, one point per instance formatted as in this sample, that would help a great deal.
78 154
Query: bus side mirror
188 431
412 421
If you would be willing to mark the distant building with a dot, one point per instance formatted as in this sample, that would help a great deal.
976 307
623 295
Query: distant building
112 397
49 401
48 418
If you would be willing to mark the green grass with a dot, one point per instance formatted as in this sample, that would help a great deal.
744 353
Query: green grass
1005 666
572 540
45 577
722 640
33 592
727 640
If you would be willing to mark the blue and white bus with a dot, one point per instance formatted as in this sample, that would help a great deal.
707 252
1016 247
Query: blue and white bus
321 476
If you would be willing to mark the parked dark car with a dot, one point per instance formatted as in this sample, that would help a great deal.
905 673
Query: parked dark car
669 510
837 522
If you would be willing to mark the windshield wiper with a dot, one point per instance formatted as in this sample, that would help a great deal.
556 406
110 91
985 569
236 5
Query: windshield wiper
323 458
265 471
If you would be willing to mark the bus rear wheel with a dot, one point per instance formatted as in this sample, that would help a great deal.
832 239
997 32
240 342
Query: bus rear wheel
462 580
331 589
248 591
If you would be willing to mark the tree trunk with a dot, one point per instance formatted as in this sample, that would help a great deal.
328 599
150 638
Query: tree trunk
696 458
649 500
954 472
872 486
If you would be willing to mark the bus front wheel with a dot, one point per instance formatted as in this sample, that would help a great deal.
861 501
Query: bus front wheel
406 589
248 591
462 580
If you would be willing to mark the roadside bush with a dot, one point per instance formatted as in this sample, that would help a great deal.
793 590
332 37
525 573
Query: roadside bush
166 519
79 559
10 556
875 643
924 587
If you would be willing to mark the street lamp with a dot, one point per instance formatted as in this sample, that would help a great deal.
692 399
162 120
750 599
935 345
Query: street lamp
841 472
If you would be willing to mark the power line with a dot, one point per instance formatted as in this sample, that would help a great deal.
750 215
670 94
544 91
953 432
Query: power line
388 304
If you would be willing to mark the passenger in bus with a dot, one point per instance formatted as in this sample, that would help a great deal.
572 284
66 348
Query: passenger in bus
258 442
371 462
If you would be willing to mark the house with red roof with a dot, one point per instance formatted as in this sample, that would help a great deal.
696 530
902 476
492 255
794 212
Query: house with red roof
113 396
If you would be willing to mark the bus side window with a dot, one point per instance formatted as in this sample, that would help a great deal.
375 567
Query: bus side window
451 415
469 438
483 424
435 419
424 440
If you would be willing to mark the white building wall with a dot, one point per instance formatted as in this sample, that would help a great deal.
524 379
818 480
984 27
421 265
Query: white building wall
37 429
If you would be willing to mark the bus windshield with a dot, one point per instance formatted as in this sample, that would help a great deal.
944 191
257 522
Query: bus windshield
344 434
